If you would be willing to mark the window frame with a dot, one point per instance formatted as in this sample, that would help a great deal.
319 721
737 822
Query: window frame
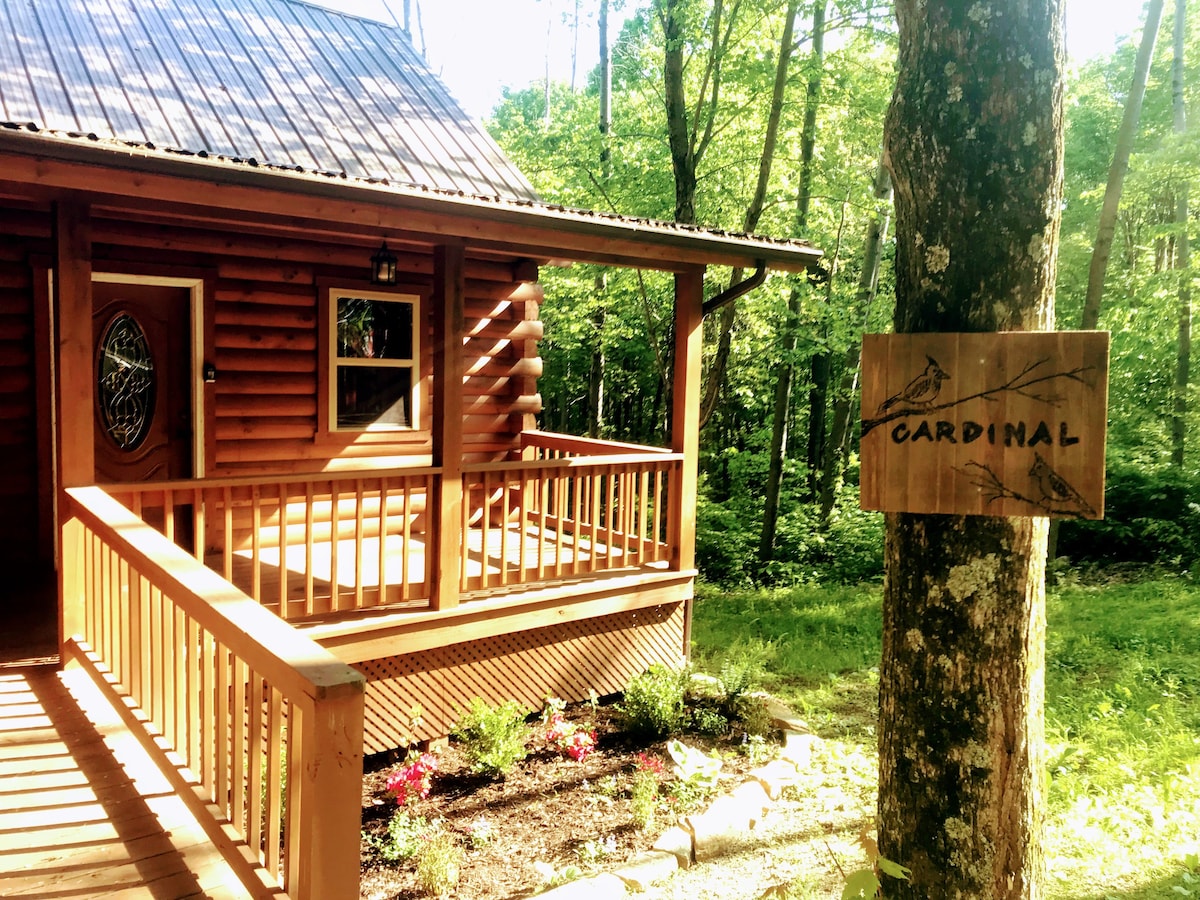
327 426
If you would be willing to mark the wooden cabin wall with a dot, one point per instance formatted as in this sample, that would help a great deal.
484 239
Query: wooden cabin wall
264 320
21 527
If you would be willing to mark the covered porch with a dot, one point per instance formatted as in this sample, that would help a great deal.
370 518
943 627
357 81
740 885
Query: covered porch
264 623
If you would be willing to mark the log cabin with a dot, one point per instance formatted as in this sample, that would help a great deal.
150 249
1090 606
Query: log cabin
272 473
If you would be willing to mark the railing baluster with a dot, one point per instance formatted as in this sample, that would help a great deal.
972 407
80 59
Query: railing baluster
406 547
308 548
358 544
274 811
240 684
221 734
254 766
383 534
504 510
227 536
334 534
284 612
256 543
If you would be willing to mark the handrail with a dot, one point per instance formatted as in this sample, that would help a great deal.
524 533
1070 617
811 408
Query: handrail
575 462
189 484
267 643
258 728
552 440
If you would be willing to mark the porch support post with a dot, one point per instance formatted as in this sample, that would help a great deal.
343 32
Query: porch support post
685 412
74 439
446 511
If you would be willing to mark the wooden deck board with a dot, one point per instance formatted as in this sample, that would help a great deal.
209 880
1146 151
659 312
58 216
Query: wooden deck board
83 811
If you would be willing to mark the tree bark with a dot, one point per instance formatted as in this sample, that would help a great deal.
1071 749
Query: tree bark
791 326
683 157
1182 254
974 143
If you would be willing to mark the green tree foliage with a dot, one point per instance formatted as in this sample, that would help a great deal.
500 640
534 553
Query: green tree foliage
559 149
1140 305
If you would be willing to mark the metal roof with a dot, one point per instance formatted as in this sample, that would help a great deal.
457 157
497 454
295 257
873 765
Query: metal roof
275 82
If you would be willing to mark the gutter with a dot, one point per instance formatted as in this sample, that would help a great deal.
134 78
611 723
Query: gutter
734 291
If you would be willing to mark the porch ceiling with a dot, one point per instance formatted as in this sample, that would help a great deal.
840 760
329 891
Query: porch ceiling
219 191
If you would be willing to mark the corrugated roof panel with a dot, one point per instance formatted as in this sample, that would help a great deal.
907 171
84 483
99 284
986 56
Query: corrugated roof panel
50 100
340 50
469 148
116 107
236 70
280 81
17 99
290 49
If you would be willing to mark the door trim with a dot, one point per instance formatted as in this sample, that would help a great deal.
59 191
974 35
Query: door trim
195 287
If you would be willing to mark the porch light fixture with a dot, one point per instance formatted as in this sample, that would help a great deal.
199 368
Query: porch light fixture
383 266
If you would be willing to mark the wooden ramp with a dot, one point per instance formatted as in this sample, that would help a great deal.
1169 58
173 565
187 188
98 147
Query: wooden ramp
83 811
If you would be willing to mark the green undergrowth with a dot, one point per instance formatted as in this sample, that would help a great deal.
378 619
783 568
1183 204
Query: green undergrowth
1122 714
1123 740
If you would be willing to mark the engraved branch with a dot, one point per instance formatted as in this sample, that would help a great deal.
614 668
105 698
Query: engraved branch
1026 384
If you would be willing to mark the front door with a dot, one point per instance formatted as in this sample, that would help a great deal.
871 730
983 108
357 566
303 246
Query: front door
143 409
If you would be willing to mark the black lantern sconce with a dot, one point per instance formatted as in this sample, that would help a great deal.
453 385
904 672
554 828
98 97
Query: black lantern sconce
383 266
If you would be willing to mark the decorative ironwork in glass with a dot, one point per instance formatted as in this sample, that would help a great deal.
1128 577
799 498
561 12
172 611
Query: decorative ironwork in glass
125 382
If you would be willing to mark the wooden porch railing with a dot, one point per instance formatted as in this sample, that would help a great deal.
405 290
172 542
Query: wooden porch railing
311 544
316 544
578 506
259 729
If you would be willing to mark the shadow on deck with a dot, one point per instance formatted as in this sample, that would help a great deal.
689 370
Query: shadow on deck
83 811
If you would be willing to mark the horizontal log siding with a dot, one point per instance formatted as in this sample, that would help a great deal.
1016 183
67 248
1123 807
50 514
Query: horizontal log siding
266 333
18 408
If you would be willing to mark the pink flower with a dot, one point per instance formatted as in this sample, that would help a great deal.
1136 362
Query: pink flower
580 744
414 779
648 763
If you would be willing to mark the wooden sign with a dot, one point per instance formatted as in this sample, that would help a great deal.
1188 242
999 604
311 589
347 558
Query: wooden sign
995 424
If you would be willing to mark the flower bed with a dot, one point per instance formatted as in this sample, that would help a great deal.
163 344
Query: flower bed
589 795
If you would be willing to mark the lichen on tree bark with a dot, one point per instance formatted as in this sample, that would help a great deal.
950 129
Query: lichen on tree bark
974 144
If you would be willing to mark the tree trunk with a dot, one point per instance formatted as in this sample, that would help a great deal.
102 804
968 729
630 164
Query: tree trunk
683 157
974 144
1120 165
1182 255
868 282
596 371
791 326
1102 249
716 372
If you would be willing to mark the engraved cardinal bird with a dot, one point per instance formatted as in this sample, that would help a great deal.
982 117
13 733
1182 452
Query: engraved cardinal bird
922 390
1055 490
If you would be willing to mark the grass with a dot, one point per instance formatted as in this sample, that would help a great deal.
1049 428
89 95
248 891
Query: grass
1122 715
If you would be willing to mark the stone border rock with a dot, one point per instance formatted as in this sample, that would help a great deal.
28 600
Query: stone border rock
708 835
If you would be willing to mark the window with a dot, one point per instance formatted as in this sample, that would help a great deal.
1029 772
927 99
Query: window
374 361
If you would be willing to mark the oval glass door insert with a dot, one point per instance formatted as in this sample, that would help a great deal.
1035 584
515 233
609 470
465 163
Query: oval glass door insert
125 382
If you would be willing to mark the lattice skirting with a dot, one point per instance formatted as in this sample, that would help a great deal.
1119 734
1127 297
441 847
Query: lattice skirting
566 661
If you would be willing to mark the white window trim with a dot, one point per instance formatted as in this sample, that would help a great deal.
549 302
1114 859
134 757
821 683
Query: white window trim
413 364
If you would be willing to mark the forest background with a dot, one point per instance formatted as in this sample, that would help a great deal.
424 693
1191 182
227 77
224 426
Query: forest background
767 116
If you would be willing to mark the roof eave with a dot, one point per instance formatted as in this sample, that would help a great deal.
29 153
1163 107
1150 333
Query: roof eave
69 163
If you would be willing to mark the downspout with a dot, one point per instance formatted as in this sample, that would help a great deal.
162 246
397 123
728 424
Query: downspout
737 290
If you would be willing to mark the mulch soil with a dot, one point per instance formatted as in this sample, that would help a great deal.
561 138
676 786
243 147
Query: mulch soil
550 810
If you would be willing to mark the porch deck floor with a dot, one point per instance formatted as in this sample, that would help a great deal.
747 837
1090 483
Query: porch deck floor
500 560
83 811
